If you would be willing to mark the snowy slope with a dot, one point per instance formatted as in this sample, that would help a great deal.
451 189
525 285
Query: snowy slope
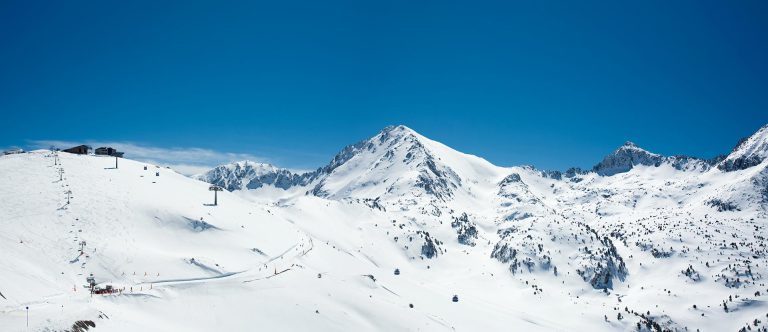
644 235
664 242
253 267
139 228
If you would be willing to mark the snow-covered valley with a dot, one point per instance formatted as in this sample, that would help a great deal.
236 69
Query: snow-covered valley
397 232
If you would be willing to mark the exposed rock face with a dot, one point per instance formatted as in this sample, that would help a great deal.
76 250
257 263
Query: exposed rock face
466 230
524 252
722 205
630 155
760 181
626 157
601 263
750 152
252 175
740 163
691 274
431 246
527 250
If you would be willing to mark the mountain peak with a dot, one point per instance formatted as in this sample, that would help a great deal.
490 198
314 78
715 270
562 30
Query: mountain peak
396 128
629 144
624 158
251 164
385 162
397 131
398 160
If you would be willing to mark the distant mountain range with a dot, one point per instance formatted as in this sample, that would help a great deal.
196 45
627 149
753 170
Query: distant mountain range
378 156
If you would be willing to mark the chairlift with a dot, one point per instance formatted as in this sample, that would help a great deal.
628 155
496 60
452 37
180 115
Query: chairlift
91 281
215 190
397 272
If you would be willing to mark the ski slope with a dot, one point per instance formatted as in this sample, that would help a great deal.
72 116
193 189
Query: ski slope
662 243
253 268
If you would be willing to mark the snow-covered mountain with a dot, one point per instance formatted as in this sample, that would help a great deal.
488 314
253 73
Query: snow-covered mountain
252 175
384 237
630 155
750 151
400 165
394 162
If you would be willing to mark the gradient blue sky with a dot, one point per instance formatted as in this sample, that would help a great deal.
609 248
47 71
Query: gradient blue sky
548 83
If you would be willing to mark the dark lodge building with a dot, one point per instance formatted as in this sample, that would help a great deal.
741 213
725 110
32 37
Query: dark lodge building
80 149
107 151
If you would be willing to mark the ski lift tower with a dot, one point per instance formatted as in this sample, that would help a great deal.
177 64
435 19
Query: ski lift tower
91 282
215 190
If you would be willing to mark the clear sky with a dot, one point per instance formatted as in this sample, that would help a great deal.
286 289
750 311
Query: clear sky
548 83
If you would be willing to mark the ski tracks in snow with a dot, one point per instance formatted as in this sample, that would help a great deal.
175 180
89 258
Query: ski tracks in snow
271 268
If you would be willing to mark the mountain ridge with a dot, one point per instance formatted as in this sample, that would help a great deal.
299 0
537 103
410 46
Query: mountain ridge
749 152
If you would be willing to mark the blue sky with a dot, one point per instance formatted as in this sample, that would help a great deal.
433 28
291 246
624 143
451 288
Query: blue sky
548 83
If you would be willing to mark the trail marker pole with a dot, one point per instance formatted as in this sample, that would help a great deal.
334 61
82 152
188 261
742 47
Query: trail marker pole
27 317
115 162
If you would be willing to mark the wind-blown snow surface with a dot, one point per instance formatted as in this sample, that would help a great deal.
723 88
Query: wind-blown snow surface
663 242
